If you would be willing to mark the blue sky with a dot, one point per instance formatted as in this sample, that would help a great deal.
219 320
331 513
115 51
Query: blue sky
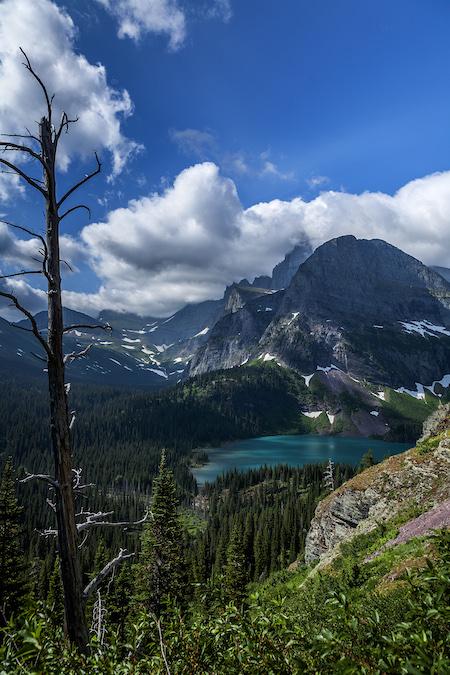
286 100
356 91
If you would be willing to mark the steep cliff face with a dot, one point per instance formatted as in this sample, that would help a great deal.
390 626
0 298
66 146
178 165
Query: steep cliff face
235 337
361 305
419 477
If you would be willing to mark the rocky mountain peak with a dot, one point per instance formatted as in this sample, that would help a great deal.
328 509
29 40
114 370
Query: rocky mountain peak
285 270
367 279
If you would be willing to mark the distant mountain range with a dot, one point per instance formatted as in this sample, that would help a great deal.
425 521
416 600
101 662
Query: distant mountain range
138 351
353 317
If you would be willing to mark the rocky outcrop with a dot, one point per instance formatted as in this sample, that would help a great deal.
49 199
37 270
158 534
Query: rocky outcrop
436 424
417 477
238 295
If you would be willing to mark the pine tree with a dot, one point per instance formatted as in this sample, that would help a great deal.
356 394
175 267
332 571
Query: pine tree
13 585
236 577
161 569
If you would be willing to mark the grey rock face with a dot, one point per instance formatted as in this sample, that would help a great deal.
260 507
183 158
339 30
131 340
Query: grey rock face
344 306
344 514
367 281
438 422
234 338
443 271
284 272
379 493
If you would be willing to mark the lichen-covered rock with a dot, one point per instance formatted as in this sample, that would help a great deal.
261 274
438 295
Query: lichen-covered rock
436 423
418 477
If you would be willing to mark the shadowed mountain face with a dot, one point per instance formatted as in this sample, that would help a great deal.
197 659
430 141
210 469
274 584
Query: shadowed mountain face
362 306
367 280
443 271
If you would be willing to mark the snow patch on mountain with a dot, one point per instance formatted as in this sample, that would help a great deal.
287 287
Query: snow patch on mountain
326 369
308 378
202 332
161 373
418 393
424 328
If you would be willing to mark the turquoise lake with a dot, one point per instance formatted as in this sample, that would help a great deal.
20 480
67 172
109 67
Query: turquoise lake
292 450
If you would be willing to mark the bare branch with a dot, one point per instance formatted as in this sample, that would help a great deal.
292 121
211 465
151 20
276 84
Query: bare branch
109 567
75 208
48 533
72 420
78 486
77 355
48 99
21 273
67 264
22 174
35 235
64 124
81 182
84 540
162 646
28 135
75 326
30 317
51 504
40 476
17 147
94 520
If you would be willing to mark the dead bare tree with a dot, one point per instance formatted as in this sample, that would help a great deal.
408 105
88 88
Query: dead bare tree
42 149
328 476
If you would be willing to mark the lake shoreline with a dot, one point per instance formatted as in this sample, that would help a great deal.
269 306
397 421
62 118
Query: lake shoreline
290 449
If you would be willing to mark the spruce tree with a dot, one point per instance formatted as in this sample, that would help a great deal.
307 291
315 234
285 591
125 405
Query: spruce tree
13 585
236 577
161 573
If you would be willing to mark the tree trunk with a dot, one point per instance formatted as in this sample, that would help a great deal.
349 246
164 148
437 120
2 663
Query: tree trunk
75 620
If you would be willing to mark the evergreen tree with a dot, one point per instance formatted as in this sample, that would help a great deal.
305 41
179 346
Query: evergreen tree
236 577
367 460
161 569
13 586
119 599
55 596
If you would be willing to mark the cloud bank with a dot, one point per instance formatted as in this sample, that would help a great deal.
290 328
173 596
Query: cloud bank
186 243
47 34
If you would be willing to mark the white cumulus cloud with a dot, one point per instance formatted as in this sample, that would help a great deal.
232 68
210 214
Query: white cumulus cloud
189 241
47 34
186 244
137 17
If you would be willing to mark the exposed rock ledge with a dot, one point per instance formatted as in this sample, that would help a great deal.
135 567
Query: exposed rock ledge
415 477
